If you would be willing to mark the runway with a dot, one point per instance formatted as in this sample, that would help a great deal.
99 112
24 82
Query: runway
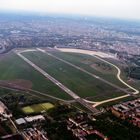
60 85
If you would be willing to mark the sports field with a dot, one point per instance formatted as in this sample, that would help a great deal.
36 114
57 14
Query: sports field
14 71
36 108
81 83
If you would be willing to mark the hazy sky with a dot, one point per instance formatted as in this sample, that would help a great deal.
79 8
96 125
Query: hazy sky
111 8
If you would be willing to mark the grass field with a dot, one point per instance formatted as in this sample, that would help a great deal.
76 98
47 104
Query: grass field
86 61
37 108
81 83
12 67
89 63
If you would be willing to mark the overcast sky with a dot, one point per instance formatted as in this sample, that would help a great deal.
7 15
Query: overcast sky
110 8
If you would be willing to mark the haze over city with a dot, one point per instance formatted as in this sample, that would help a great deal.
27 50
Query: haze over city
127 9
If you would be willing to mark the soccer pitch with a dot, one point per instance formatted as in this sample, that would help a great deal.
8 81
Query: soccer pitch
36 108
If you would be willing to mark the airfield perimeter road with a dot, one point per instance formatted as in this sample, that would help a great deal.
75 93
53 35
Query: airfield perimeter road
118 76
63 87
85 71
95 104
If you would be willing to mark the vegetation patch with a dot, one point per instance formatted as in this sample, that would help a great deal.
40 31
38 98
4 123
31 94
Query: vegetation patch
36 108
133 72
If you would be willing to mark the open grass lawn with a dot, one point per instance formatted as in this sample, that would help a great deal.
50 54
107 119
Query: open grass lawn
85 61
81 83
89 63
37 108
12 67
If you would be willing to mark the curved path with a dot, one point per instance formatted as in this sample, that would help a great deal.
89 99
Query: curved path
118 75
98 56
